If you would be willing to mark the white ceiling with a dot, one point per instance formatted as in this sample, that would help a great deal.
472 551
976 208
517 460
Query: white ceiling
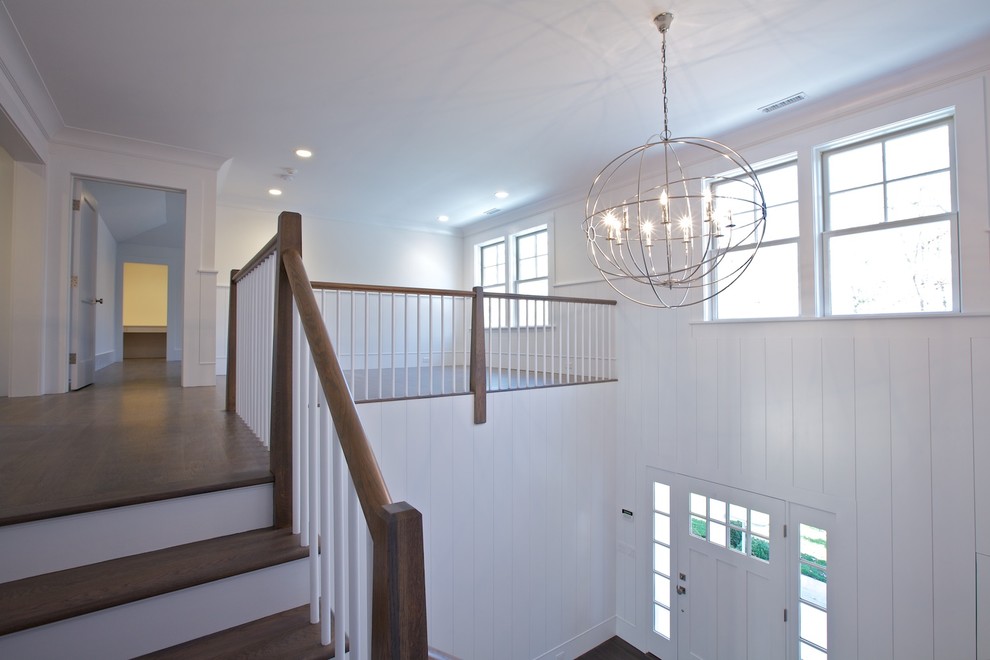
141 216
416 109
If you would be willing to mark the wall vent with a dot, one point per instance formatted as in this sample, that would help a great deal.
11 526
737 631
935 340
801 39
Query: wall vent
783 103
492 211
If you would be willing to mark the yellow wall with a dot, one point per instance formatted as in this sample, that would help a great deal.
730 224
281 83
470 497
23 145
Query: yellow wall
145 295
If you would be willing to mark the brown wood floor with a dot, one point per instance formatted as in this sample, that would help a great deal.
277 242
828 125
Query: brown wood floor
135 435
616 649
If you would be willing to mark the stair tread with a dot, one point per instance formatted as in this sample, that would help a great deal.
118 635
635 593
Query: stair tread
287 634
43 599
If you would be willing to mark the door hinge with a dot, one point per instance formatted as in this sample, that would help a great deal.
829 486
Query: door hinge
785 531
785 615
76 205
72 358
75 281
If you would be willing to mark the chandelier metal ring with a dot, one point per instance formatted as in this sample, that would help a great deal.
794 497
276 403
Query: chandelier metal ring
685 236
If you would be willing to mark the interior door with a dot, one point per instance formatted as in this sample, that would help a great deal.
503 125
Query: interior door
731 574
83 300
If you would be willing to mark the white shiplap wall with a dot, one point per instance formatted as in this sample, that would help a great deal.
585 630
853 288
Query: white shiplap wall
881 422
518 513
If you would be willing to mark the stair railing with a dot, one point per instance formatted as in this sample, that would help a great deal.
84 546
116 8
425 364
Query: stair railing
332 461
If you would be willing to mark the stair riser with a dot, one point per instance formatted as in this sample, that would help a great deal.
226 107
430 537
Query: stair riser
155 623
55 544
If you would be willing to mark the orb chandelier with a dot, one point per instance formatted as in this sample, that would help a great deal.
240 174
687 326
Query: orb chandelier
660 236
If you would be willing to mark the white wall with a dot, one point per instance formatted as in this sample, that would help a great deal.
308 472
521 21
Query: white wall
6 227
334 251
518 515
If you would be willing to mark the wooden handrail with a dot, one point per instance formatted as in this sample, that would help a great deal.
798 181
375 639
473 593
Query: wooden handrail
374 288
368 481
523 296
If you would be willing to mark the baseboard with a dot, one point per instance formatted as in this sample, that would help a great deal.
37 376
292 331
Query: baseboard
105 359
581 644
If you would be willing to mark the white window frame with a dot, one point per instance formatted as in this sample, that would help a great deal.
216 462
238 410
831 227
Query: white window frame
825 234
766 166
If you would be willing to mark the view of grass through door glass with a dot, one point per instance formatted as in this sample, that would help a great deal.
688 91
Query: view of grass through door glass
813 595
742 530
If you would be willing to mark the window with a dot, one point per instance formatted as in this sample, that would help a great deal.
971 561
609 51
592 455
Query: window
661 559
742 530
492 258
769 287
515 263
813 596
889 222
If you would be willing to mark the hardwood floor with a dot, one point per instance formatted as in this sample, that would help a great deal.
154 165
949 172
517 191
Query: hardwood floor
132 436
616 649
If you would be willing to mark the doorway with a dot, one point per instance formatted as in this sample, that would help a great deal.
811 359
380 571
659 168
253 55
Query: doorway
718 567
145 310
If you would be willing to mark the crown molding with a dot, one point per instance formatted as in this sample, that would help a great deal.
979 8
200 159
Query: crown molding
116 144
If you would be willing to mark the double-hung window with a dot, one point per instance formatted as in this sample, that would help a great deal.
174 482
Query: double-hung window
769 287
889 223
516 263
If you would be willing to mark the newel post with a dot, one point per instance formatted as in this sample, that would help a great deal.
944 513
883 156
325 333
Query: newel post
289 238
230 403
398 602
478 383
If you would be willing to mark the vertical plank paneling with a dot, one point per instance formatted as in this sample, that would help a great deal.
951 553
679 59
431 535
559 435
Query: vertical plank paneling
981 462
839 416
875 584
603 517
556 510
911 487
418 479
808 449
440 535
753 408
706 406
463 514
664 374
570 538
484 536
953 491
520 549
538 514
685 395
780 411
655 441
500 417
729 392
393 443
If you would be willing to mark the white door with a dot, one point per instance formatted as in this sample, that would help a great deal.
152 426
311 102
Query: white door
82 330
731 569
718 572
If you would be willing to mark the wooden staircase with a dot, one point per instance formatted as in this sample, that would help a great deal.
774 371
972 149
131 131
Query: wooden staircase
233 596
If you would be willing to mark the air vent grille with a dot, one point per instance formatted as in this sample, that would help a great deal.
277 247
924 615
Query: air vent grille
492 211
783 103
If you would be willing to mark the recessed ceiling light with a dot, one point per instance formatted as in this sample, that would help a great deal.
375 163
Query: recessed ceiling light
304 153
274 192
442 218
501 194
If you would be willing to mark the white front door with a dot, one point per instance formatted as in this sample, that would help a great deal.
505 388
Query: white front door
82 332
718 582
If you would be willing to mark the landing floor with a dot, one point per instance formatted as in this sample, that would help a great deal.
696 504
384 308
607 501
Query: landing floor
132 436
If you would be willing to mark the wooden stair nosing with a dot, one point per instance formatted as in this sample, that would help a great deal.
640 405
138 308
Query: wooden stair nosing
51 597
287 634
90 504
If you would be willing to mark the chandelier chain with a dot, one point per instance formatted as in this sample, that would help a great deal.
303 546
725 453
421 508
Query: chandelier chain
663 61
